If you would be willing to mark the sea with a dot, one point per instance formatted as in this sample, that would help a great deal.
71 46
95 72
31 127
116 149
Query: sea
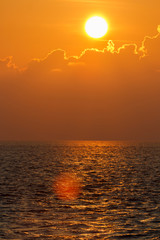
119 197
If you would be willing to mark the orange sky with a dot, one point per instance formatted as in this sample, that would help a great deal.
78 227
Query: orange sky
53 86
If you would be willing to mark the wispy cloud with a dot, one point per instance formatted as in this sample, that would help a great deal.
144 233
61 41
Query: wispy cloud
97 2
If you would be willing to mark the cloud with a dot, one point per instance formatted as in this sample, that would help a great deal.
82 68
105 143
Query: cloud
55 60
103 94
7 66
150 43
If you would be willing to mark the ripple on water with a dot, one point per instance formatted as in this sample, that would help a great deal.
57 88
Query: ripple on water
119 199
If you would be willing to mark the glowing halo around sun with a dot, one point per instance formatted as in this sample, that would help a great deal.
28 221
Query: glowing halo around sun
96 27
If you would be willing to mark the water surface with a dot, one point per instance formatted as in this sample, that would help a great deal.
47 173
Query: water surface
120 196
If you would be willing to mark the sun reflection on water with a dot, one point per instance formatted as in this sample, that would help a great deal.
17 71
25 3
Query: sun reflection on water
67 186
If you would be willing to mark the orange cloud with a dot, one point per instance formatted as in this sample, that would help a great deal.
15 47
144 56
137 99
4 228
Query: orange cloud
154 41
7 66
53 61
101 94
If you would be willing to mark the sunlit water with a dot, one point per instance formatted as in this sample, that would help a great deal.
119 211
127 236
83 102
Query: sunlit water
119 198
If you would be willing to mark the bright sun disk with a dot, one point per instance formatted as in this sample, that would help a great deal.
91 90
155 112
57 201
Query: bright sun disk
96 27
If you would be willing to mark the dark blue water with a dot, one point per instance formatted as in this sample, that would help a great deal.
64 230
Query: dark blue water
119 199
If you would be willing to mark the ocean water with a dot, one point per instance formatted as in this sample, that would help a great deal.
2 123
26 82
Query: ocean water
119 197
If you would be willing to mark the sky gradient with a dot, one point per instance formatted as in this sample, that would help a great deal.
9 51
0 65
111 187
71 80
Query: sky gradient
58 83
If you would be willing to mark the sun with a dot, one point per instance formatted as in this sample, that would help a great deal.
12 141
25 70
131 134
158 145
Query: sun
96 27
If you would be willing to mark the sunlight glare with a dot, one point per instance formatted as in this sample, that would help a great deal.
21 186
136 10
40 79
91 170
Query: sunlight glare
96 27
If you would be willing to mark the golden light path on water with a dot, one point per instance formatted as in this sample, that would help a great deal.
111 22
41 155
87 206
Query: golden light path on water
67 186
